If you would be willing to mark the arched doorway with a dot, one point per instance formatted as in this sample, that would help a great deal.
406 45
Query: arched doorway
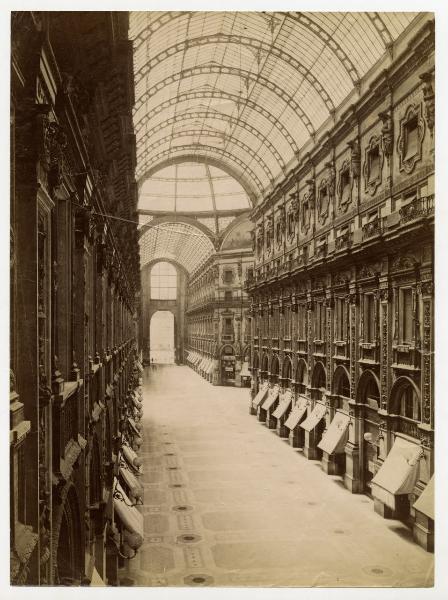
319 385
341 387
161 337
68 564
228 365
368 393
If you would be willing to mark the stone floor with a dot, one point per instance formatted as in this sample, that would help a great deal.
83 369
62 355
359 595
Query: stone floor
228 503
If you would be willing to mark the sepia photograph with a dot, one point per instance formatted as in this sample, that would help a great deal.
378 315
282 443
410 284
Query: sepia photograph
221 299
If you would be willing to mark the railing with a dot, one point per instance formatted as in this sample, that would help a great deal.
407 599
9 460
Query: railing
417 208
321 250
371 229
407 426
344 240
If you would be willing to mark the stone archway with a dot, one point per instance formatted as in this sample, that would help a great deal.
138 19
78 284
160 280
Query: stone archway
162 345
68 566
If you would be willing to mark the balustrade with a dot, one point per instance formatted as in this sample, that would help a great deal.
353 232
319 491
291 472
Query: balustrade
417 208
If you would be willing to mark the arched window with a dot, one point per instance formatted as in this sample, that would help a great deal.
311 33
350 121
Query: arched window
163 282
319 381
408 402
265 363
372 394
301 376
274 366
342 387
287 369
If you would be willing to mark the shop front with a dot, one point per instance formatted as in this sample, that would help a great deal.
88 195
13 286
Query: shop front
228 362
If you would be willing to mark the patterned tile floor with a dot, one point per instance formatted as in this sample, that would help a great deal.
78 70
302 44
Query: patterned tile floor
228 503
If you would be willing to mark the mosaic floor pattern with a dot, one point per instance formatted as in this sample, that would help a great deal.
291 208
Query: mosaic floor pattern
228 503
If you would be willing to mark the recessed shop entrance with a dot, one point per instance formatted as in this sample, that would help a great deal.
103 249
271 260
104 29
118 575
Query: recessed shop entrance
161 336
228 366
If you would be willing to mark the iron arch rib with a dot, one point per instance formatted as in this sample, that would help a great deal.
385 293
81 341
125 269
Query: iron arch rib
219 95
216 115
253 43
248 75
248 179
210 133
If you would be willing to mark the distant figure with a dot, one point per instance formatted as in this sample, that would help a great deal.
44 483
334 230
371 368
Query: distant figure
152 364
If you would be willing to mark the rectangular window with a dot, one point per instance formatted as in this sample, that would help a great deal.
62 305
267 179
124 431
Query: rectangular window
369 318
228 295
411 138
319 321
287 322
406 316
345 183
341 319
301 325
275 323
228 276
228 325
374 163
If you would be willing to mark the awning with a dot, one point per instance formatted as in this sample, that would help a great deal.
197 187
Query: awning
284 404
425 502
261 395
135 488
297 413
334 439
139 366
399 472
245 370
130 455
133 425
130 517
272 397
314 417
96 580
211 367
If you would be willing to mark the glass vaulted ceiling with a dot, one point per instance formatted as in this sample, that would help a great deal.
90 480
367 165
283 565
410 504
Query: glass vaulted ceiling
181 242
247 89
241 92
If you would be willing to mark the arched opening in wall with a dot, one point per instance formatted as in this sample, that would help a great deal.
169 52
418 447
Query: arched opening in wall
68 554
368 393
264 366
256 361
405 402
161 337
287 371
95 497
163 281
319 381
301 378
274 368
227 365
319 388
341 387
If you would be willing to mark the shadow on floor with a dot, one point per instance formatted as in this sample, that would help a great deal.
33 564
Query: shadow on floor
404 532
